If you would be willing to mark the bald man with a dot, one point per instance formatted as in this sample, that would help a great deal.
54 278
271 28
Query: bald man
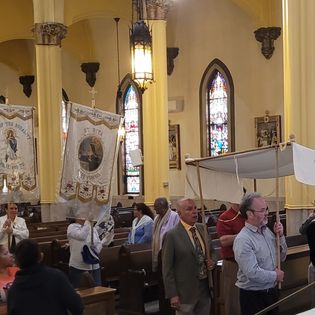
184 263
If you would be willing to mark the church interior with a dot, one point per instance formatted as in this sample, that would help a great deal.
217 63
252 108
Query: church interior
258 54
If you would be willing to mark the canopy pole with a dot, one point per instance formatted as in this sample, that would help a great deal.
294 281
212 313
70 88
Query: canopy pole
255 185
277 211
205 229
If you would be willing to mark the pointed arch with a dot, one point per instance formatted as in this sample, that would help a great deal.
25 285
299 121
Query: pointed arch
217 128
129 104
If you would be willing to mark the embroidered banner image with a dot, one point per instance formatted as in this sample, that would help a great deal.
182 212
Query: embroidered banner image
90 153
17 154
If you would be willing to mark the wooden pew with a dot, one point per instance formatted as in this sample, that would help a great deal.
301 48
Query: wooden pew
60 255
119 241
110 265
118 235
42 225
131 293
98 300
121 229
48 231
46 249
41 239
138 284
122 216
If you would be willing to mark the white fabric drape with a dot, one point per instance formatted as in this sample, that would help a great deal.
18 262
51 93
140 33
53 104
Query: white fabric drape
90 154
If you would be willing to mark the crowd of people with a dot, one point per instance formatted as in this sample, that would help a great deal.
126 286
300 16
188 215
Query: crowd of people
251 273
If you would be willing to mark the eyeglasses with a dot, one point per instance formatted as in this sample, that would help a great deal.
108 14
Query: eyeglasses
260 211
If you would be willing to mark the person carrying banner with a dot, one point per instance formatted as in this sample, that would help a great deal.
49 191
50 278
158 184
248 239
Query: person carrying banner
255 252
79 235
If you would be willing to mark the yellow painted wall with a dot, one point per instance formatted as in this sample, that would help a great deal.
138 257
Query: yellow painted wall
203 30
221 29
10 87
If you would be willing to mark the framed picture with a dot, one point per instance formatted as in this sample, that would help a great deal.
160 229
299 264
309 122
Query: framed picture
268 130
174 146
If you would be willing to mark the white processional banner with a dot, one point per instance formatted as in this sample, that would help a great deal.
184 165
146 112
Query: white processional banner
18 181
90 153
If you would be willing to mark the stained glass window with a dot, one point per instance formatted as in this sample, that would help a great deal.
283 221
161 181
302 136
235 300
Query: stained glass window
217 115
217 110
131 113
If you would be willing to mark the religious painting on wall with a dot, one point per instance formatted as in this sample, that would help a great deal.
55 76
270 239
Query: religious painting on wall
174 147
268 130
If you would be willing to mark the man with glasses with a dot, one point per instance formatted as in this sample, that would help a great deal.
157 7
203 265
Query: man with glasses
255 252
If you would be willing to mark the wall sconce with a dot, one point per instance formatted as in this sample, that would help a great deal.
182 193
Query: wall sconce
141 51
267 36
27 81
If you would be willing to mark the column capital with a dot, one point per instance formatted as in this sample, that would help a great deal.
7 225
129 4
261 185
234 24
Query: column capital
158 9
49 33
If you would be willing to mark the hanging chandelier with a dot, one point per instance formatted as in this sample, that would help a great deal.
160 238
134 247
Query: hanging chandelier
141 49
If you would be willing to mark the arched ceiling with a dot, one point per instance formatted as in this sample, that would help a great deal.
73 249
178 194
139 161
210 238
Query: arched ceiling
262 11
85 40
79 41
18 54
77 10
16 19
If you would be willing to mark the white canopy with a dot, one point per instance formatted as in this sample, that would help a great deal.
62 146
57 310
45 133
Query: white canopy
221 176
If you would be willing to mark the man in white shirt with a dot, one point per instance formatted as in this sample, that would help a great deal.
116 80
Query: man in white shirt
12 228
79 234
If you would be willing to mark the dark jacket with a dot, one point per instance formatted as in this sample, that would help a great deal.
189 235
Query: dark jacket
42 290
180 265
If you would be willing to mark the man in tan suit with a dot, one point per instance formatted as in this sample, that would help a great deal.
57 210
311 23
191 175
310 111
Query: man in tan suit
184 264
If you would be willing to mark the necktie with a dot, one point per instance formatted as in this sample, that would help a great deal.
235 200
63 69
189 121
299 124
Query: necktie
13 244
200 254
9 241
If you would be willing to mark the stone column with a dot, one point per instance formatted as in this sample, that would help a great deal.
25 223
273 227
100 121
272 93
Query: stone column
48 32
299 96
155 110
